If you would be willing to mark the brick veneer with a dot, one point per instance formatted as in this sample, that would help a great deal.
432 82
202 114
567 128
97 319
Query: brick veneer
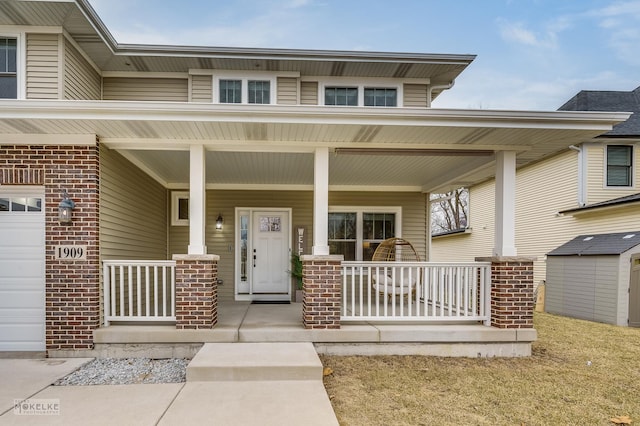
321 291
512 296
72 293
196 291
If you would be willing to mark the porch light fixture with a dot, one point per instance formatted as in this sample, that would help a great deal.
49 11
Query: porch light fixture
219 221
65 207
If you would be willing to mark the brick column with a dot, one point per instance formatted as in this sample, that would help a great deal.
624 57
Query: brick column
196 291
72 287
512 297
321 291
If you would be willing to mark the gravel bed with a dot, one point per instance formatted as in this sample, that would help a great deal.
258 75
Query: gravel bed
126 371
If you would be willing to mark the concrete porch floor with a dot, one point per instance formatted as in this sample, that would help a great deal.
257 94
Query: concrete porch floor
245 322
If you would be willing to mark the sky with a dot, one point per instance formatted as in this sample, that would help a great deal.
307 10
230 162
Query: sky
531 54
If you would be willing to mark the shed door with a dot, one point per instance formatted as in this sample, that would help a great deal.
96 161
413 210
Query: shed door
22 270
634 293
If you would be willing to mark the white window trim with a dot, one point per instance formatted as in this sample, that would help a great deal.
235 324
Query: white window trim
633 166
361 84
244 77
359 211
175 205
21 63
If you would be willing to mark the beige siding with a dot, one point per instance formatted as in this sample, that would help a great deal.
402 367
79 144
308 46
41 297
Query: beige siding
201 88
596 183
146 89
287 91
415 95
223 242
133 211
81 80
542 190
43 66
309 93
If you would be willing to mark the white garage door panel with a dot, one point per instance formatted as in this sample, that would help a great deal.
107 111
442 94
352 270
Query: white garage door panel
22 272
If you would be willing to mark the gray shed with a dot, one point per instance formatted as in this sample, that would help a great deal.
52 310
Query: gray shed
596 277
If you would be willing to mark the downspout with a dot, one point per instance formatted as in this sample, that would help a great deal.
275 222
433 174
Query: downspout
581 175
437 86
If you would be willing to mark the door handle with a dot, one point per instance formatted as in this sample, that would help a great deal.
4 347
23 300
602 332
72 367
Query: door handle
254 258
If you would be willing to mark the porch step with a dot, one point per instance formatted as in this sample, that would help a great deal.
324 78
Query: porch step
255 362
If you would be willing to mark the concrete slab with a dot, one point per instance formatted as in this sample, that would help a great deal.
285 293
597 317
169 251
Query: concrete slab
255 361
101 405
265 403
448 333
23 378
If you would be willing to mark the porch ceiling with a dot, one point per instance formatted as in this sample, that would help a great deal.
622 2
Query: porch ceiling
274 145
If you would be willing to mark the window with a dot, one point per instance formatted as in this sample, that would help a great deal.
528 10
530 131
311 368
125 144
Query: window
244 91
346 96
356 232
21 204
380 97
180 208
619 165
8 68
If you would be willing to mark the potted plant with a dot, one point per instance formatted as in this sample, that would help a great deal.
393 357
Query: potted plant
296 273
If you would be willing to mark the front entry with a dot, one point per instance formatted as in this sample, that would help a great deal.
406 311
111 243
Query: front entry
262 255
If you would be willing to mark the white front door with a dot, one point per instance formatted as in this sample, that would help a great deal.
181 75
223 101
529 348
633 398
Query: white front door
22 270
263 263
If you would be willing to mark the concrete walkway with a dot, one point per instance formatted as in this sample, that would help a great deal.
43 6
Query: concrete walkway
227 384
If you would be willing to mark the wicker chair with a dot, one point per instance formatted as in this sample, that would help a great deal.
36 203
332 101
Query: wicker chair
405 283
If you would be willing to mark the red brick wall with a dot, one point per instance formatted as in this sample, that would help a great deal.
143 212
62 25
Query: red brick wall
196 291
321 287
512 297
72 287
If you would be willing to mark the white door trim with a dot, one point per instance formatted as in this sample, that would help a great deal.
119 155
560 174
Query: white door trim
243 290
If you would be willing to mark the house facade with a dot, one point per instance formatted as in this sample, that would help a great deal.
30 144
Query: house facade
589 187
214 165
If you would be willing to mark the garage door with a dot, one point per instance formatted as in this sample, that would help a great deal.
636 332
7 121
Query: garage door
22 270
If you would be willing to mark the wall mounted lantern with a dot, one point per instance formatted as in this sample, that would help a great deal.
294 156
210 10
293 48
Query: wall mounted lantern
219 221
65 207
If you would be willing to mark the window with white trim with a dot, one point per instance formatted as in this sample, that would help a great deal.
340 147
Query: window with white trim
360 95
245 91
180 208
8 68
356 232
619 166
344 96
380 96
20 204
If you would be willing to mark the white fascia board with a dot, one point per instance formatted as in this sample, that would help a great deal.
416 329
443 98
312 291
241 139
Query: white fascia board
141 74
28 29
162 111
48 139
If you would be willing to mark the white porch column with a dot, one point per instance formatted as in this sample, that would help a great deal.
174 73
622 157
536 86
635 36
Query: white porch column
197 200
321 202
505 219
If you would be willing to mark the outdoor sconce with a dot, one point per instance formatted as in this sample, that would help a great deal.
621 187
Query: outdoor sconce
65 207
219 222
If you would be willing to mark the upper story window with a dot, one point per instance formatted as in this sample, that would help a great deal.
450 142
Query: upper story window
244 91
346 96
377 96
8 68
619 165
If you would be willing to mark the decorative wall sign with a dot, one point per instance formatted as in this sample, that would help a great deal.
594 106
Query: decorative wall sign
70 252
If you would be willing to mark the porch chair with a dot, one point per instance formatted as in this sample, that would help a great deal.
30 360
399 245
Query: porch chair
405 284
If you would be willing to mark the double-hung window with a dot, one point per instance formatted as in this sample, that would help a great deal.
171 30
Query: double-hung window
8 68
356 232
244 91
619 165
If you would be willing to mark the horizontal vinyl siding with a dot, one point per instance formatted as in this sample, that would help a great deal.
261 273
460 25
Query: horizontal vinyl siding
201 88
133 211
81 81
415 95
596 183
43 66
309 93
146 89
287 91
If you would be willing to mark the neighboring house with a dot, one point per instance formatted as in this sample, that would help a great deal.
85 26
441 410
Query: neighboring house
587 187
213 165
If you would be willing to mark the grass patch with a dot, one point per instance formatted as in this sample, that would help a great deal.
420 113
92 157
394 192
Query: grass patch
580 373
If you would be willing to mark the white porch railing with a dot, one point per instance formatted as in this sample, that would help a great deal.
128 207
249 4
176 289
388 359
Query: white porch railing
416 291
139 290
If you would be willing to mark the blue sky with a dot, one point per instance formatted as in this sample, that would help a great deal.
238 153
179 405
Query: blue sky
532 54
